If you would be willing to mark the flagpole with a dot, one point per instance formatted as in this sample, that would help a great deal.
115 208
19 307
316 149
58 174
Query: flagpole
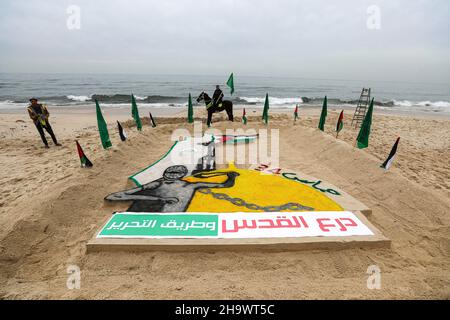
295 118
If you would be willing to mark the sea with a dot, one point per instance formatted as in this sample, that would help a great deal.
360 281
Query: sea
162 91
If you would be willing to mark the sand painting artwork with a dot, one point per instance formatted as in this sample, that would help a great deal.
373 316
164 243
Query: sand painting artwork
229 190
190 198
229 203
203 202
256 192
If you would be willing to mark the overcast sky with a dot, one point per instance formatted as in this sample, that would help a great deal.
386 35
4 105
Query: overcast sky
311 39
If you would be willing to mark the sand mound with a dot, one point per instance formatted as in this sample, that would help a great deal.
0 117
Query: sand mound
51 207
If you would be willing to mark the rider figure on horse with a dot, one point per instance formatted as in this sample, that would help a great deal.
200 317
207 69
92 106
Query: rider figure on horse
215 104
217 96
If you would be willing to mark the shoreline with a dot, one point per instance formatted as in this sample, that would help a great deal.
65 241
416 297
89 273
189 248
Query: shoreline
179 111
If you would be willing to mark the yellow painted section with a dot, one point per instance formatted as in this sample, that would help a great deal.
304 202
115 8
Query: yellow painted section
260 189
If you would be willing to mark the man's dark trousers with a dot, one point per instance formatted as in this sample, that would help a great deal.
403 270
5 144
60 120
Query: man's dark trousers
47 127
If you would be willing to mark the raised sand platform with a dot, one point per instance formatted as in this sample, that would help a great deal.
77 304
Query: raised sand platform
259 184
377 240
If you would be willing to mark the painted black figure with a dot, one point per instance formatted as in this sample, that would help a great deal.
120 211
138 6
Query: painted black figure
170 193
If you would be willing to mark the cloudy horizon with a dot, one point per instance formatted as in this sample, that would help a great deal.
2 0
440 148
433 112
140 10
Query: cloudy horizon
308 39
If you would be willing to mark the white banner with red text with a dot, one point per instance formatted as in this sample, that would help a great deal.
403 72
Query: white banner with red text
234 225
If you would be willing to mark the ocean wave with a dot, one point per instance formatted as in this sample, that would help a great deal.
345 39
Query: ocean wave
79 98
403 103
120 100
272 100
146 105
124 98
436 104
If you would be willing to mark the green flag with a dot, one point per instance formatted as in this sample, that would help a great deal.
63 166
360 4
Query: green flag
323 114
102 128
135 113
230 83
265 115
190 110
364 132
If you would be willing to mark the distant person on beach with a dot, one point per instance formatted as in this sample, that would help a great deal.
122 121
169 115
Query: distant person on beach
217 96
39 114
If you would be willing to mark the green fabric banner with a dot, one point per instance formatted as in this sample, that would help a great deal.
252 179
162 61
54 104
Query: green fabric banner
102 127
230 83
323 114
190 110
148 225
364 132
135 113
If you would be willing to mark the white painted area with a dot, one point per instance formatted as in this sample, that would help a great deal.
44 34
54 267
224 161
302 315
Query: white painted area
291 224
188 152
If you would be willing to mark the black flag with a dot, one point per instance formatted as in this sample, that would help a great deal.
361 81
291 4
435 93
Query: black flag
152 121
391 156
122 134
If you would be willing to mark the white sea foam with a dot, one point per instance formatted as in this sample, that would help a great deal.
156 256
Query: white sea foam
403 103
272 100
437 104
8 104
79 98
145 105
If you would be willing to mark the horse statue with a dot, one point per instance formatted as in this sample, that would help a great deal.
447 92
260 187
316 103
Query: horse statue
226 105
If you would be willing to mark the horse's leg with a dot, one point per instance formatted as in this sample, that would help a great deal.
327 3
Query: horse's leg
210 113
229 109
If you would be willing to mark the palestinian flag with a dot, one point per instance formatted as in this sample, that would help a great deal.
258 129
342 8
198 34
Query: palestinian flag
152 122
244 118
84 160
391 156
122 134
229 139
296 113
340 122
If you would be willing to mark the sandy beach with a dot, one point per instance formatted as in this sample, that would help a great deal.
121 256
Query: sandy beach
50 208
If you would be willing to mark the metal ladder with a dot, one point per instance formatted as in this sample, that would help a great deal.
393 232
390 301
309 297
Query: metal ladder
360 112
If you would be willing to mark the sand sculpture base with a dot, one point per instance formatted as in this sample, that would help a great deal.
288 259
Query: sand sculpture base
377 240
